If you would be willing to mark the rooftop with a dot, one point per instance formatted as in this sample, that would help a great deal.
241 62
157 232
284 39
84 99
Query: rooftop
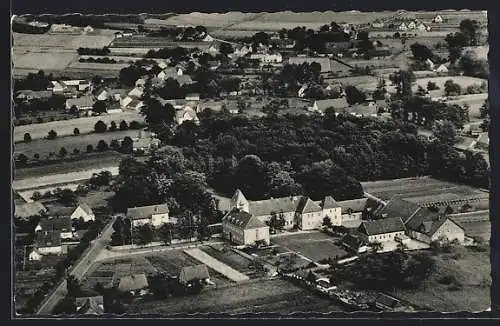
61 224
382 226
47 239
191 273
243 219
133 282
144 212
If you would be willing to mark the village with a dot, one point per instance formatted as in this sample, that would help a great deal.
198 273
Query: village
326 166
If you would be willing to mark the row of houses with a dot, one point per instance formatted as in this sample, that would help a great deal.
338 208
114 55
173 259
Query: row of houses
246 221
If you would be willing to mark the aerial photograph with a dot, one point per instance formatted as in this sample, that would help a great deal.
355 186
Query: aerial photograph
170 164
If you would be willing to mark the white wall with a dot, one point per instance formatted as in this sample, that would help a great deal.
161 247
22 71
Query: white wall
384 237
50 250
159 219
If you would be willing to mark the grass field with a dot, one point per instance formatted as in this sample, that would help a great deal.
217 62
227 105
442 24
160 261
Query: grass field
421 190
474 101
232 259
259 296
480 229
463 81
66 127
314 245
222 268
470 268
197 18
45 146
97 66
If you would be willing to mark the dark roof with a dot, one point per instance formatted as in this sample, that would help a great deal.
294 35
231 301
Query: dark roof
243 219
46 239
133 283
354 205
306 205
352 241
61 224
276 205
139 213
90 305
398 207
29 209
329 202
190 273
382 226
427 222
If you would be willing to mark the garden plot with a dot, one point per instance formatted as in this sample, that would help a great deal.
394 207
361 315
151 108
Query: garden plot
313 245
218 266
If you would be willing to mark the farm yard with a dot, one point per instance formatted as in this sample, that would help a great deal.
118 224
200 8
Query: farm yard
271 296
422 191
45 146
460 282
313 245
66 127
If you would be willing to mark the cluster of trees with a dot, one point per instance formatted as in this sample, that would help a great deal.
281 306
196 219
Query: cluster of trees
101 127
93 51
176 54
469 35
98 60
471 65
396 269
34 106
421 53
33 81
180 33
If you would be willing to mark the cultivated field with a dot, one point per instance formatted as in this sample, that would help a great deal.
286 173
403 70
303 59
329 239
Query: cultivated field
89 162
196 18
97 66
66 127
421 190
470 268
141 41
276 296
52 51
314 245
45 146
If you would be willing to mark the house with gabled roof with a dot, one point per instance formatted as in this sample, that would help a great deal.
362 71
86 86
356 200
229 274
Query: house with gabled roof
336 104
155 215
386 229
60 224
189 274
47 242
243 228
133 283
83 211
427 226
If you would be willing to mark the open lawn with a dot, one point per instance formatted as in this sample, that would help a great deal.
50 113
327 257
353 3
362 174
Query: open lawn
472 272
474 101
463 81
477 229
76 168
314 245
277 296
422 191
66 127
236 261
44 146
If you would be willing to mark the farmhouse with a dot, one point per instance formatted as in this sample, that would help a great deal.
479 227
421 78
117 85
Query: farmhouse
354 244
83 211
386 229
79 85
56 87
190 274
135 104
403 27
83 103
136 92
184 80
241 50
60 224
192 97
412 25
430 64
438 19
144 144
133 283
267 58
243 228
321 106
427 226
154 215
48 242
88 29
28 210
323 62
29 95
352 210
442 69
169 73
90 305
34 255
361 110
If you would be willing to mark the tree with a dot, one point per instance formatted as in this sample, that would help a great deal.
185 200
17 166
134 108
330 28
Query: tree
102 146
73 286
100 127
448 210
27 137
123 125
63 152
90 148
485 109
451 88
421 91
455 43
276 221
112 126
403 79
66 197
76 151
376 246
145 234
127 145
354 95
99 107
22 159
165 233
226 48
114 145
432 86
485 125
470 29
52 134
421 52
445 133
76 132
327 222
157 115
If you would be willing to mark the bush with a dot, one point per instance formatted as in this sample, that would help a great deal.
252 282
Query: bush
112 127
102 146
90 148
63 152
76 151
27 137
22 159
123 125
135 125
448 279
76 131
52 134
100 127
39 120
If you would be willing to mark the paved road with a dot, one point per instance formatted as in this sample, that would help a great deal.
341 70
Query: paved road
79 270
